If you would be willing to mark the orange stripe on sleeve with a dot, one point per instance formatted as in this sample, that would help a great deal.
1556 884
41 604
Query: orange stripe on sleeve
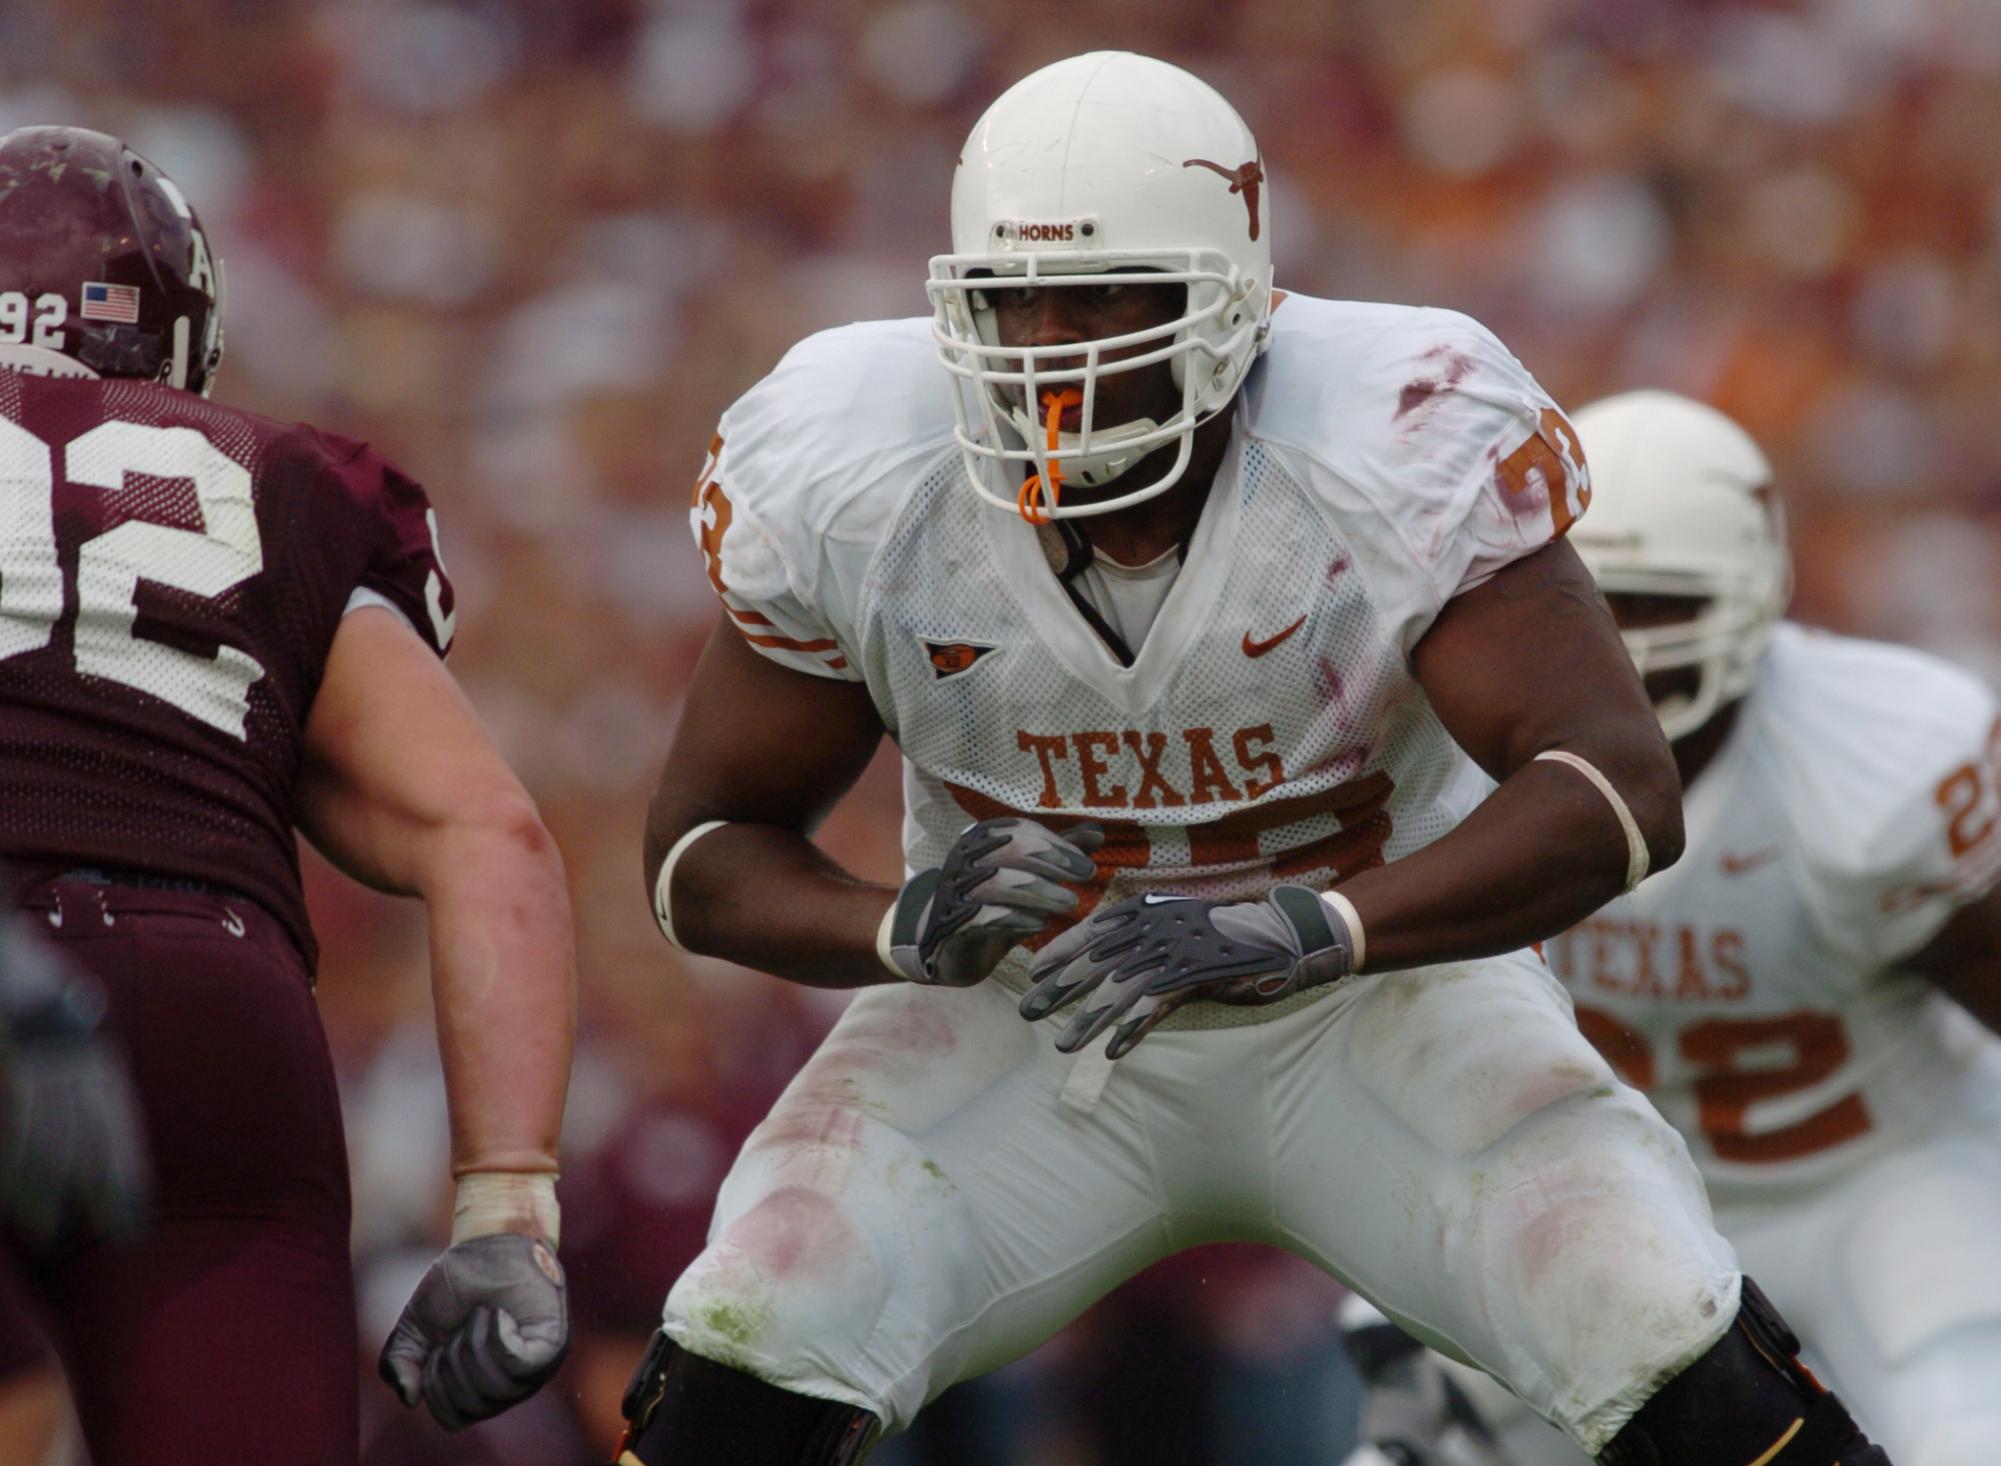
787 644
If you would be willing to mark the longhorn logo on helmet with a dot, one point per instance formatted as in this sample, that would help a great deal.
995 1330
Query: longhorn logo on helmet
1245 178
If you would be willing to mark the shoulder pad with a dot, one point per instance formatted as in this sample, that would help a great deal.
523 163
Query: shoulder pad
835 418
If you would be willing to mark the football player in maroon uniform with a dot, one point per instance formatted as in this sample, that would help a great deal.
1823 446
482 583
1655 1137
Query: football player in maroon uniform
215 629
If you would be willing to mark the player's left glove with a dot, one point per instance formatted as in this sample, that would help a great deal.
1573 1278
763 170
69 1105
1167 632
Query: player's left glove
1131 964
486 1328
73 1164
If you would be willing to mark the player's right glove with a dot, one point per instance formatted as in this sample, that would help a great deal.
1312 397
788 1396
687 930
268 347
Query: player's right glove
489 1322
72 1142
1000 884
1128 965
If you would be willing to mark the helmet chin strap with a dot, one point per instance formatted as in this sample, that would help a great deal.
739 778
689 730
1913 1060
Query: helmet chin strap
179 377
39 361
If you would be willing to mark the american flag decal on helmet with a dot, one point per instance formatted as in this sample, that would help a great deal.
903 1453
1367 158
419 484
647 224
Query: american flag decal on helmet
950 658
119 303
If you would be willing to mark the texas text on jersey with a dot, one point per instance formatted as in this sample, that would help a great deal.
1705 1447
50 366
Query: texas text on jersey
1754 991
1342 520
1334 552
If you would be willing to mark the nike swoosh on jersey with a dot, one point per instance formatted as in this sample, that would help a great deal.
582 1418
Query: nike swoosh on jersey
1738 865
1259 648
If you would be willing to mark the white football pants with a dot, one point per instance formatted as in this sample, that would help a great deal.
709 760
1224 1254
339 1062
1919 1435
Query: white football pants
923 1203
1892 1276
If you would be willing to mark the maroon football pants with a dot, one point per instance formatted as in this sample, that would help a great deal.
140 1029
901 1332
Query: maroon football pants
226 1332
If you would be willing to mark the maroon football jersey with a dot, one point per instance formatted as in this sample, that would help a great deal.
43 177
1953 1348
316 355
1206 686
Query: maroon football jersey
171 576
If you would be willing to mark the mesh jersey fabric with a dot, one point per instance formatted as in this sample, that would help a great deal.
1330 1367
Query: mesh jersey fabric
1758 989
1309 763
1383 459
171 576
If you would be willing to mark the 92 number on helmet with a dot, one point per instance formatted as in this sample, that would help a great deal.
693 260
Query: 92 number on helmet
32 323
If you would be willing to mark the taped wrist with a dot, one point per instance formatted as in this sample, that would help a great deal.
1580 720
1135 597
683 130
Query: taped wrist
1358 941
1326 941
490 1202
898 939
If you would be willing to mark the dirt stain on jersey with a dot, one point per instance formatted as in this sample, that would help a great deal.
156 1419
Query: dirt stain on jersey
1446 368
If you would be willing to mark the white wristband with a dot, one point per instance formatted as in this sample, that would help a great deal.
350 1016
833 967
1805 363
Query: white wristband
882 941
1638 861
663 886
1352 919
507 1201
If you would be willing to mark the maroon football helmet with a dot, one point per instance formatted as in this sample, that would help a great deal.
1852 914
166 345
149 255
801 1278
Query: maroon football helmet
104 269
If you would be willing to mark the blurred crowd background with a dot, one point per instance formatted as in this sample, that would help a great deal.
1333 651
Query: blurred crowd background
532 249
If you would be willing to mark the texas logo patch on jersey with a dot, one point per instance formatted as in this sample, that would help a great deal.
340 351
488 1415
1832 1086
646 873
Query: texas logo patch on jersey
950 658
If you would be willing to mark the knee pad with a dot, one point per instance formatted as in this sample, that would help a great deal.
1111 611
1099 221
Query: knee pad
683 1410
1748 1401
783 1283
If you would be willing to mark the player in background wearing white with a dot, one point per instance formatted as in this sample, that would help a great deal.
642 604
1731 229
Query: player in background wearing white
1202 679
1794 994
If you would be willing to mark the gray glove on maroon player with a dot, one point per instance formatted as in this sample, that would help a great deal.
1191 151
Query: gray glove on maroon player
999 886
486 1328
72 1141
1133 963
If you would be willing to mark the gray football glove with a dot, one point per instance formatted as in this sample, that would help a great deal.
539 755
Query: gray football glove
998 887
486 1328
72 1146
1133 963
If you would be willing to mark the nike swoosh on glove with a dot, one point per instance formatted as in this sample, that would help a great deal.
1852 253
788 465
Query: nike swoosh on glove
1133 963
486 1328
1000 884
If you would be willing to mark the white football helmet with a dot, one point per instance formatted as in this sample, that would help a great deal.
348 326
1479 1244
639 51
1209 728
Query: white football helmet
1682 505
1104 162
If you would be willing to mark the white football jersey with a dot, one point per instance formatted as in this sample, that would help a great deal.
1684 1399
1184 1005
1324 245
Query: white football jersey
1384 459
1753 990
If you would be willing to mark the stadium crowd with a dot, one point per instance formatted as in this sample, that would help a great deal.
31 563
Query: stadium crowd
532 248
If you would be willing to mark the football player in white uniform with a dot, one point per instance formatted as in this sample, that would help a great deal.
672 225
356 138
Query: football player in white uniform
1189 597
1782 994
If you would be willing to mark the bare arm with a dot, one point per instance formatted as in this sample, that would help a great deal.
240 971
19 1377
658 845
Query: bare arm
402 789
770 751
1526 663
1964 959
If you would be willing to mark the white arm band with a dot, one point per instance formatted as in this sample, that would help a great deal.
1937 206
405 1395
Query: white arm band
506 1201
1638 861
1345 909
663 888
